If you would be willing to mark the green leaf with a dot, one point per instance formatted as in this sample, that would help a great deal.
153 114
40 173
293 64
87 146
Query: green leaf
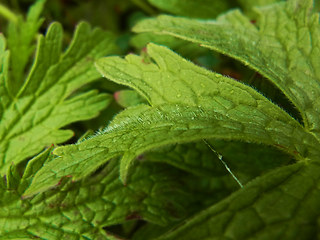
205 192
80 210
284 47
188 103
247 160
196 158
208 181
143 5
283 204
257 3
4 65
249 6
128 98
190 8
21 36
149 231
7 13
47 101
185 48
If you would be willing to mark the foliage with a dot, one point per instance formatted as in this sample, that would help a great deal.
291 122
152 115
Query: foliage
189 151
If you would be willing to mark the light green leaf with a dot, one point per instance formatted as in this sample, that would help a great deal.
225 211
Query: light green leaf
185 48
6 13
47 101
21 36
5 97
188 103
283 204
284 47
80 210
128 98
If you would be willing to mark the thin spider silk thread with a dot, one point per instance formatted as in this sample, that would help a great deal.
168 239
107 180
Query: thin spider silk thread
223 162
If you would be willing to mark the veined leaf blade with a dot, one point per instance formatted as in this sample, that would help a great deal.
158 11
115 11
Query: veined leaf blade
285 47
82 209
280 205
47 101
21 36
222 108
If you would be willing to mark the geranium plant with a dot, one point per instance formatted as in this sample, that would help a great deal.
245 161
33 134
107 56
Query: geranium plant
193 154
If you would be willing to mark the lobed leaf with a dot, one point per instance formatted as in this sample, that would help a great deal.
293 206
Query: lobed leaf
188 103
21 36
284 47
80 210
182 103
47 100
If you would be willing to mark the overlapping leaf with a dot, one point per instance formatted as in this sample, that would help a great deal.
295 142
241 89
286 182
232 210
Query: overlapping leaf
4 59
21 41
188 103
200 160
196 158
283 204
80 210
249 6
47 101
187 49
127 98
189 8
284 47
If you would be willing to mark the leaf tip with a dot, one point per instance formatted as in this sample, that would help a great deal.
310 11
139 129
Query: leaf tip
58 151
